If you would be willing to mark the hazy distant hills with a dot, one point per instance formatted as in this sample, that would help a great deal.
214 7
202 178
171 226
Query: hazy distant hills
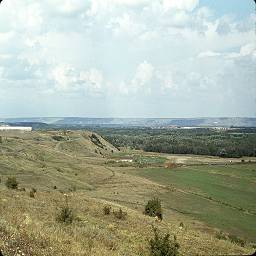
55 122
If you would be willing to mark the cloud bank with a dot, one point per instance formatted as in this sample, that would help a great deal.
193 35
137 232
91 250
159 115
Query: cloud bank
165 58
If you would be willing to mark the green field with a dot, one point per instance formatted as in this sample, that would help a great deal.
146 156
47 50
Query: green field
222 196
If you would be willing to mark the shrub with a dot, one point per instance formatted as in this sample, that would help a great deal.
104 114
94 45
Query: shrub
120 214
11 183
162 245
32 194
154 208
58 138
221 236
34 190
65 215
236 240
106 210
182 225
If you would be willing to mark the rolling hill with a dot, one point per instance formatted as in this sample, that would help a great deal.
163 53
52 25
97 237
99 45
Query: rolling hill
81 170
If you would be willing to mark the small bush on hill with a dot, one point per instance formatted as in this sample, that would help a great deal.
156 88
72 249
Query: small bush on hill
11 183
65 215
106 210
120 214
182 225
32 194
154 208
34 190
58 138
221 236
162 245
236 240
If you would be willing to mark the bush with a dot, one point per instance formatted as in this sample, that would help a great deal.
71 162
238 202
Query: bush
11 183
236 240
106 210
120 214
58 138
162 245
154 208
33 190
221 236
65 215
32 194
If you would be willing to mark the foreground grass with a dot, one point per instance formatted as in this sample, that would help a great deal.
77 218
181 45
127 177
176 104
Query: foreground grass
31 224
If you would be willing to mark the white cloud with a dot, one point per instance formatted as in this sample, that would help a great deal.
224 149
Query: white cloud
65 77
167 81
187 46
248 49
208 54
125 25
187 5
99 7
67 7
144 75
92 78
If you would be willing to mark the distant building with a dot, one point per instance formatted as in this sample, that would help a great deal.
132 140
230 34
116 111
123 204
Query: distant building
15 128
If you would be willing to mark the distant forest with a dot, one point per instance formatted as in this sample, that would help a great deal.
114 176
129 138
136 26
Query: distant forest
224 143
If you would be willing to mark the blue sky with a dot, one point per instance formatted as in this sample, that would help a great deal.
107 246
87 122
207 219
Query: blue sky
238 8
127 58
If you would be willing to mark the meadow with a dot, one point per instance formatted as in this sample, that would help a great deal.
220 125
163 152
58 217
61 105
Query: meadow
201 196
223 196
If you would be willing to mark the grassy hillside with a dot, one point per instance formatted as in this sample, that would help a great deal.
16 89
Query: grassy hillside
84 172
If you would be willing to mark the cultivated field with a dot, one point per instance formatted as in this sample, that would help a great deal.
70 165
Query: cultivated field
223 196
80 169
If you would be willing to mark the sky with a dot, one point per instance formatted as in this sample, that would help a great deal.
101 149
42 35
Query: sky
127 58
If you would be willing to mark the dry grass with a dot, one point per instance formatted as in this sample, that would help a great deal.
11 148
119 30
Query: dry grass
32 224
28 225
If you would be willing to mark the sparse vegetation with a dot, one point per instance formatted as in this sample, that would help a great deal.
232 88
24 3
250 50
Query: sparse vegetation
11 183
58 138
65 215
120 214
154 208
221 235
33 190
96 141
32 194
96 229
162 245
106 210
236 240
